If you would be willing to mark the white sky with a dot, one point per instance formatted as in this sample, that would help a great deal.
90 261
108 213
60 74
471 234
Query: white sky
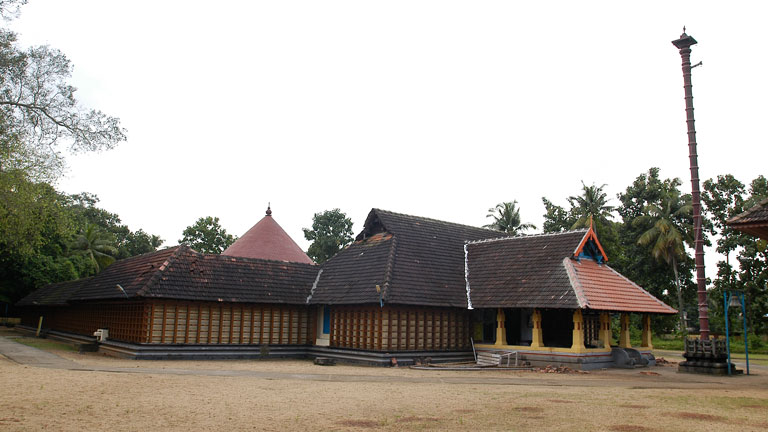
432 108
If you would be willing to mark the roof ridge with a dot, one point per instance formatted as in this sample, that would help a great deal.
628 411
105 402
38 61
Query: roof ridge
578 289
251 259
389 268
522 236
433 220
168 261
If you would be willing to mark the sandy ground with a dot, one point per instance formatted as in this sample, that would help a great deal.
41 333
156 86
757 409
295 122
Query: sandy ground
181 395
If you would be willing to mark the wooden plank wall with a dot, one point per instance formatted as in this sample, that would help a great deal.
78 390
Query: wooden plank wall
179 322
399 328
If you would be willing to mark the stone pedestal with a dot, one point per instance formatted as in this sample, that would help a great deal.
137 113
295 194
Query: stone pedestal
707 356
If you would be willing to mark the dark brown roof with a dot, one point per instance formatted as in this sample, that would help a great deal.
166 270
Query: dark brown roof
52 295
753 221
551 271
181 273
267 240
414 260
131 274
523 271
196 276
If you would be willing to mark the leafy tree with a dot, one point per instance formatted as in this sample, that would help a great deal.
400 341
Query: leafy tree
331 231
725 197
96 245
207 236
39 109
556 218
506 218
591 207
137 243
637 261
666 238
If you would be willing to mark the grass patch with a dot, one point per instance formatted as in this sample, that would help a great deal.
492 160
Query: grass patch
675 343
45 344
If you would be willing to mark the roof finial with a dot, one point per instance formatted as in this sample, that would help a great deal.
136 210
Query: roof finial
591 223
269 209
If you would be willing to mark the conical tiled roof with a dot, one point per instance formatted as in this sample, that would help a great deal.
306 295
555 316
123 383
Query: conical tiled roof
268 240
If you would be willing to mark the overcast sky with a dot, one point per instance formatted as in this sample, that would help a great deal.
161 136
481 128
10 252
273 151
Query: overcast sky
432 108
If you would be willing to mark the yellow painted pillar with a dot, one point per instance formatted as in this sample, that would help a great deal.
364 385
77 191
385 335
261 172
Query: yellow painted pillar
578 332
646 339
537 339
624 335
501 329
605 329
39 326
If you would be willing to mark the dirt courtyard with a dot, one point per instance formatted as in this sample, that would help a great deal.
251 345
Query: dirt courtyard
127 395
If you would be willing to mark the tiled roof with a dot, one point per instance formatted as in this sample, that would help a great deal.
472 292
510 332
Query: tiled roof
417 261
603 288
127 277
540 271
267 240
412 260
52 295
523 271
753 221
181 273
351 276
196 276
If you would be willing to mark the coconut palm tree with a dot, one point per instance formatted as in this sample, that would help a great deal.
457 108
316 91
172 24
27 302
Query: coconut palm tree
666 236
506 218
592 204
96 245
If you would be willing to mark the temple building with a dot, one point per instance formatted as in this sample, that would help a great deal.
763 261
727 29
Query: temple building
407 288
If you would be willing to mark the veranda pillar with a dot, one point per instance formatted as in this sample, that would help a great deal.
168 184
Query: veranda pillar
501 328
537 337
605 329
646 339
624 335
578 332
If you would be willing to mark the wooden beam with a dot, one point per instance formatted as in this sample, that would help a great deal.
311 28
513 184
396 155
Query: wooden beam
231 324
380 329
208 323
290 325
221 322
242 324
151 332
261 325
186 327
253 310
162 332
175 322
442 329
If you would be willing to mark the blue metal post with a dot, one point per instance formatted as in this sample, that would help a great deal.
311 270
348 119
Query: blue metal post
744 316
727 334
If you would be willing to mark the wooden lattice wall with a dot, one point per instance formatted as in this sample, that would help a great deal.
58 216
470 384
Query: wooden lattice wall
394 328
126 321
172 322
180 322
